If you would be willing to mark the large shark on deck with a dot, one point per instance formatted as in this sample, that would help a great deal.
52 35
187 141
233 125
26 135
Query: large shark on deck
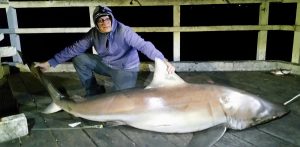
171 105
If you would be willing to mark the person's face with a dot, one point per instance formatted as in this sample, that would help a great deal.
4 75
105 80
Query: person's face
104 24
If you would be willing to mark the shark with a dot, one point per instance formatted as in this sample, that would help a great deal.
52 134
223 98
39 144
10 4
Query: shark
171 105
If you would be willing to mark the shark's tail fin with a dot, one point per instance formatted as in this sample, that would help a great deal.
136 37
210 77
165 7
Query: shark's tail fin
53 92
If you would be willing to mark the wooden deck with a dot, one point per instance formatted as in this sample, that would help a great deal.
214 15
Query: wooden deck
53 130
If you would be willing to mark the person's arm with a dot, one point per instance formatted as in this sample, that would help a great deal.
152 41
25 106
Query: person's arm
147 48
67 53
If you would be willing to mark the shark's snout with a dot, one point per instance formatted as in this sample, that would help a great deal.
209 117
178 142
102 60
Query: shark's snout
269 112
275 111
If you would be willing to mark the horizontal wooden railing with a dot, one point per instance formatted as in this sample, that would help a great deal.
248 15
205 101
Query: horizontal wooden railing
262 27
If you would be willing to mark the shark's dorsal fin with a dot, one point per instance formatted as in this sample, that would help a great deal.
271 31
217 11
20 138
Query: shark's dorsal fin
162 78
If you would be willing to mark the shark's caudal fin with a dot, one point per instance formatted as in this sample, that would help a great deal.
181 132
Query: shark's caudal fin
53 92
162 78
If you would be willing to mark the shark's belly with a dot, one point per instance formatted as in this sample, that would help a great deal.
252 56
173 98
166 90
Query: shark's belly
168 119
174 121
179 113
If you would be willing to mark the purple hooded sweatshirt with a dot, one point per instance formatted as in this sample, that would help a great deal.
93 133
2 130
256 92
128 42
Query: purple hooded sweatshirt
117 49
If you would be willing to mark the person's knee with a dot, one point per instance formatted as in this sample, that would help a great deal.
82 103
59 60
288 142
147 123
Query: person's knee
80 59
126 81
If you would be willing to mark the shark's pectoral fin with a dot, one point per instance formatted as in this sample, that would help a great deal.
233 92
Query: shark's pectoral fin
52 108
77 98
208 137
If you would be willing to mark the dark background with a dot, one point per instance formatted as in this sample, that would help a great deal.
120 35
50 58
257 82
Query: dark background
195 46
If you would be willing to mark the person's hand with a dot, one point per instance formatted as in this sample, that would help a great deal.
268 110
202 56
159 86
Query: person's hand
170 67
44 66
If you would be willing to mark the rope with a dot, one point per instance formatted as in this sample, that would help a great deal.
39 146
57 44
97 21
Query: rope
75 128
291 100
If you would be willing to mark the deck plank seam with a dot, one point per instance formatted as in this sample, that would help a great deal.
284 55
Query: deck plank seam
131 140
276 136
89 137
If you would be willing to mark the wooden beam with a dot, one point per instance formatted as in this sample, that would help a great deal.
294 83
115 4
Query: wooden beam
185 66
80 3
14 38
176 35
262 34
296 43
158 29
91 11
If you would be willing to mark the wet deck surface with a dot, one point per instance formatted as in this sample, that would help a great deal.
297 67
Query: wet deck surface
53 130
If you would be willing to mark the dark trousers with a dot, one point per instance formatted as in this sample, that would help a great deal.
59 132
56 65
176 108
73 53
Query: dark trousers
88 64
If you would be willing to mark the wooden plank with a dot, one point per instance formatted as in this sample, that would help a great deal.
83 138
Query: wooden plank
295 107
92 24
228 140
176 35
159 29
209 66
20 92
76 3
286 128
36 90
58 123
296 48
38 139
296 42
66 83
179 140
259 138
112 136
11 143
12 21
262 35
109 137
36 136
146 138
